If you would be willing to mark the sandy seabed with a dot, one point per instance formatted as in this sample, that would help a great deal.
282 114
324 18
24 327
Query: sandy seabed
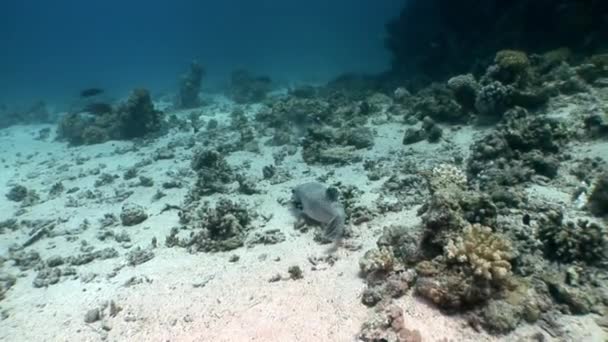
178 296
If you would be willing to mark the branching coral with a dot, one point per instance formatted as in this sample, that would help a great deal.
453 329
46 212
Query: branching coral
487 253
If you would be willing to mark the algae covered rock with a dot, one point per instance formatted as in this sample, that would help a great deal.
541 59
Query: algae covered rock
132 214
379 260
6 282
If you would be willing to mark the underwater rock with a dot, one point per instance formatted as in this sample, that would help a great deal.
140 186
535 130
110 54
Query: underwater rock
246 88
137 115
439 103
163 153
138 256
360 137
596 126
429 131
598 199
55 261
501 317
294 113
47 277
321 204
132 214
11 224
17 193
25 260
56 190
388 324
6 282
92 316
104 179
90 256
269 171
517 148
384 287
403 242
295 272
578 301
325 145
413 135
190 86
269 237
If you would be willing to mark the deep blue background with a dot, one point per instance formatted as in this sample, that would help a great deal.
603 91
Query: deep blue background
52 48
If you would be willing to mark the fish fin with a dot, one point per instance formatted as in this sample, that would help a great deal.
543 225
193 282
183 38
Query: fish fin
334 229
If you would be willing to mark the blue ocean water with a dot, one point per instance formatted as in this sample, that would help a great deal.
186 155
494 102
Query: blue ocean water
52 49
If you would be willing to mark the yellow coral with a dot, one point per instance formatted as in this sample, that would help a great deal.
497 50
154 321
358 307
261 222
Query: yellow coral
512 60
486 252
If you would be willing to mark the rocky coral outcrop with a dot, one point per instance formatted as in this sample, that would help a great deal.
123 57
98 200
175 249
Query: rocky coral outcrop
573 241
213 173
134 118
220 227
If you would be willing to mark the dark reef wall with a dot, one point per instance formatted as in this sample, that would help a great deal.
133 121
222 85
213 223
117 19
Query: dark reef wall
433 39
